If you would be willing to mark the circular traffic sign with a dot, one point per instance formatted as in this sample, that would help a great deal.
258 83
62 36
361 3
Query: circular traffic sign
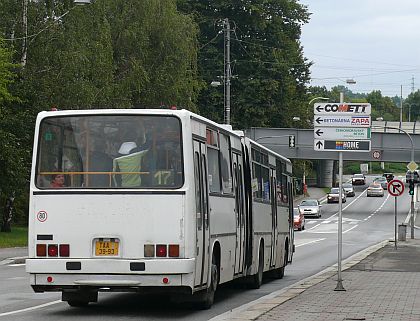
396 187
376 154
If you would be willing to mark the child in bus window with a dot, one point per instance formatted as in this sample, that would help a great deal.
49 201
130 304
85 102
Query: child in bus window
57 181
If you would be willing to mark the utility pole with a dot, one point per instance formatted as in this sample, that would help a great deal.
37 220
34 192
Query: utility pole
401 105
227 70
412 83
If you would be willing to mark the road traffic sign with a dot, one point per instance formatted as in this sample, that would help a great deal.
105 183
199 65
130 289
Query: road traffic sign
376 154
342 145
334 133
412 166
345 109
342 121
396 187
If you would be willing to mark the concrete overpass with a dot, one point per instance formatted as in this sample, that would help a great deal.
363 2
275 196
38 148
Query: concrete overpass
388 143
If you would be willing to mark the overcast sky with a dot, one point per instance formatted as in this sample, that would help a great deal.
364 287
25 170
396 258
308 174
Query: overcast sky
374 42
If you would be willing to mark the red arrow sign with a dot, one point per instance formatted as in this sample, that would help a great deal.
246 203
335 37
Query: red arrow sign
396 187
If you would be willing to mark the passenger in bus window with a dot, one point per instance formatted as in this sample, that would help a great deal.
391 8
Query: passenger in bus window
129 163
57 181
99 161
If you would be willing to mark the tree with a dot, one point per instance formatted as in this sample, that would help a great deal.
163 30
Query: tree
270 71
11 157
412 105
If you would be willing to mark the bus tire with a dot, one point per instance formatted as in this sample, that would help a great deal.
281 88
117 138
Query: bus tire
206 299
279 273
256 279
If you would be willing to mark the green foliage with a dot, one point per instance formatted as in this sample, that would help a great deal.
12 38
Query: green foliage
112 54
351 168
6 74
412 105
17 238
269 69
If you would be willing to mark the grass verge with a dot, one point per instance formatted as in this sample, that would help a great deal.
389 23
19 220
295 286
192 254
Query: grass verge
17 238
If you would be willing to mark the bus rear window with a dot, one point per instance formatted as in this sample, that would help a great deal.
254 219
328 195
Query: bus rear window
131 151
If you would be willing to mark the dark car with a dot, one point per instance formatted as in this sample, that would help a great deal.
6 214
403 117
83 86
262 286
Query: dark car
412 176
358 179
333 195
389 176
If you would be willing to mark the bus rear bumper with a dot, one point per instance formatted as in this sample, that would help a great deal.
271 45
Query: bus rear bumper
110 266
109 275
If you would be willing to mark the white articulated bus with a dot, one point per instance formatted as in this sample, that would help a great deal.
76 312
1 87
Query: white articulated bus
153 200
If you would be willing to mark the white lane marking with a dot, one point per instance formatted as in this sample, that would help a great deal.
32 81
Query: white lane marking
17 278
30 308
350 229
19 264
378 209
311 242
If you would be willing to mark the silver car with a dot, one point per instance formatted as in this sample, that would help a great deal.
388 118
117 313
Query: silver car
375 189
349 189
310 207
381 180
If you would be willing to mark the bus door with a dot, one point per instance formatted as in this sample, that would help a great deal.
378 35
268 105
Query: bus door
202 214
274 227
239 212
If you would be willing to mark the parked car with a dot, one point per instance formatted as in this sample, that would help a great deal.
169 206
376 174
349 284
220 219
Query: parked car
334 196
389 176
381 180
412 176
310 207
348 188
375 189
358 179
298 220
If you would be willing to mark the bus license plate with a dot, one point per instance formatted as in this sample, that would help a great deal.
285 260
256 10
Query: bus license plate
106 248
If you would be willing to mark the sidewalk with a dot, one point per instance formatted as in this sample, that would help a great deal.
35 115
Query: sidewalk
381 284
313 192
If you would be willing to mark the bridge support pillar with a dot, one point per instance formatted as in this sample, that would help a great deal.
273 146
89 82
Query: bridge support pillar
325 173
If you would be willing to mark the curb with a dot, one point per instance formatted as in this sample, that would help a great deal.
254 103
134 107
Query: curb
14 260
255 309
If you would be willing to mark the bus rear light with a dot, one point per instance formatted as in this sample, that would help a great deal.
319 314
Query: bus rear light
64 250
165 280
41 250
161 250
49 279
52 250
173 250
149 250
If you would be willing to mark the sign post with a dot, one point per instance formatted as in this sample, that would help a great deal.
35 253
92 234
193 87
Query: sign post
395 188
342 127
412 166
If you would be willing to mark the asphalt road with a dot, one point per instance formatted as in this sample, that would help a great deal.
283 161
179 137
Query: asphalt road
366 221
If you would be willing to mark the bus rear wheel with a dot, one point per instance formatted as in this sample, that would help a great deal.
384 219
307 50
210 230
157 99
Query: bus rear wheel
256 279
206 299
279 273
